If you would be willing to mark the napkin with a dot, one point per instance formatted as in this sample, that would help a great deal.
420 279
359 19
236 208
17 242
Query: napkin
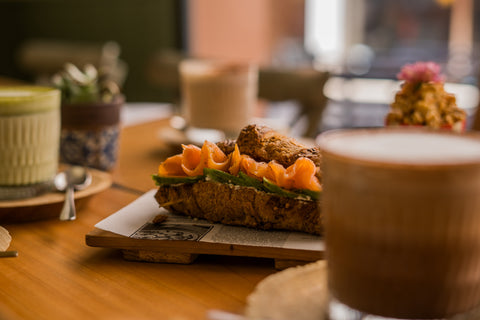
299 293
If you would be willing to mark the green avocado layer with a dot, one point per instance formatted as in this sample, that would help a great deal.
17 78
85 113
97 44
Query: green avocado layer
241 180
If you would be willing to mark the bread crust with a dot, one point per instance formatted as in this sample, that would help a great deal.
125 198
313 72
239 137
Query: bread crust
242 206
264 144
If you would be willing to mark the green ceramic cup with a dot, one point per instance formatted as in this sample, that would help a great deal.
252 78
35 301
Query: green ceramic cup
29 140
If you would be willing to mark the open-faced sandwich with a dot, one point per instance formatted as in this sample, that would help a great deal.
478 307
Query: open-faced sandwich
262 180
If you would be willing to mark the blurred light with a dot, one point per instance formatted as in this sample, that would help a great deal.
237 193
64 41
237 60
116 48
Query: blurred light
445 3
359 59
324 29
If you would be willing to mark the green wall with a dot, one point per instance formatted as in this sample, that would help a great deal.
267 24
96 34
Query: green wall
140 27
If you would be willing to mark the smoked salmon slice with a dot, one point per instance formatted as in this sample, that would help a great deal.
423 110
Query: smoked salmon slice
300 175
303 173
191 157
172 167
254 168
192 161
280 176
210 157
235 161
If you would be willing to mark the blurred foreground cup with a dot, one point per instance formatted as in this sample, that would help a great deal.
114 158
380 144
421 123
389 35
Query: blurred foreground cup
402 210
218 95
29 140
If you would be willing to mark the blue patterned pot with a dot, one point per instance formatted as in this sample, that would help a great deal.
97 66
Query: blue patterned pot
90 134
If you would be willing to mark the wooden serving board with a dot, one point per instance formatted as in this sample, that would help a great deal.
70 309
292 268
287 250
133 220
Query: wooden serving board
185 252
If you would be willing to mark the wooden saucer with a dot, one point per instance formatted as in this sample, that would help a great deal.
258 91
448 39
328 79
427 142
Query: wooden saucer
48 205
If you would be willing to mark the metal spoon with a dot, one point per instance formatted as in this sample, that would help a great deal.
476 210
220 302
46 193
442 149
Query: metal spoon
75 178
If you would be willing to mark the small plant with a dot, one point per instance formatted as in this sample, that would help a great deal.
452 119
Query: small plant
87 86
421 72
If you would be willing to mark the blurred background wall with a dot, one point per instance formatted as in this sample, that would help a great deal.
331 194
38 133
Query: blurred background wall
139 26
250 30
352 38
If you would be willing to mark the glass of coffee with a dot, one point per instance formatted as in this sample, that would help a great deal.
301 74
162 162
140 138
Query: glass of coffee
402 220
218 95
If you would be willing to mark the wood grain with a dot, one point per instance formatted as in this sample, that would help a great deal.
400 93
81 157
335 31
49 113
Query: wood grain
57 276
177 251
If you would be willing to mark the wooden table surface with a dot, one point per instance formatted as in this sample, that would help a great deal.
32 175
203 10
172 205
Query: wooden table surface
57 276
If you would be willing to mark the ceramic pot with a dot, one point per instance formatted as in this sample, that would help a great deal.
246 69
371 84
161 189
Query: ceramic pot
90 134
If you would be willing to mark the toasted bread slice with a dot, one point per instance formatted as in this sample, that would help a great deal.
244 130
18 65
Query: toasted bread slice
242 206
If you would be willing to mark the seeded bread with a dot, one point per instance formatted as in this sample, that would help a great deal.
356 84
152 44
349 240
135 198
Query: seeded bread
242 206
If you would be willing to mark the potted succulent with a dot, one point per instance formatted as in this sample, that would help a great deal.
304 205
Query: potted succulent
90 113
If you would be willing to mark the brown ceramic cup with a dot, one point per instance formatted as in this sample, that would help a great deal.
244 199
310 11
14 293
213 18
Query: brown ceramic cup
402 220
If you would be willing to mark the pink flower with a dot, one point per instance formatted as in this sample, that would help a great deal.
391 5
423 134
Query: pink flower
421 72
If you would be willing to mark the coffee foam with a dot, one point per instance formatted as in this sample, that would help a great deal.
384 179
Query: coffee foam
206 68
15 93
403 147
